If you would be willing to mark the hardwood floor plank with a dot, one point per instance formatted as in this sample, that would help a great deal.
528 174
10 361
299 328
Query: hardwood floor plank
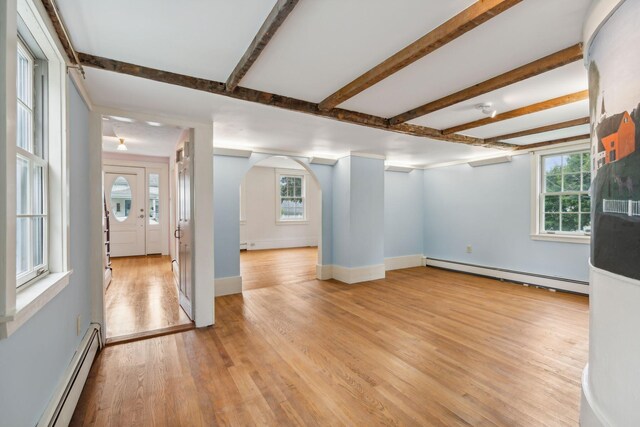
422 347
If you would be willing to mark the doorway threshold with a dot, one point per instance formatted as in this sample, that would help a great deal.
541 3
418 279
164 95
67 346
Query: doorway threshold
139 336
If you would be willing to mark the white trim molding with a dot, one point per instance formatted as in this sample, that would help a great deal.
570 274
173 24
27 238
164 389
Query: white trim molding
591 414
400 262
549 282
297 242
358 274
228 286
324 272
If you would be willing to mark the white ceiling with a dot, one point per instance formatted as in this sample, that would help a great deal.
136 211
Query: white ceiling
321 46
140 137
243 125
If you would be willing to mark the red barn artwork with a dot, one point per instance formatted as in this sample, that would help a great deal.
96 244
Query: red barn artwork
616 138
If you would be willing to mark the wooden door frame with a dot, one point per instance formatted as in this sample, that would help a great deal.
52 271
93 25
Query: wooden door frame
203 261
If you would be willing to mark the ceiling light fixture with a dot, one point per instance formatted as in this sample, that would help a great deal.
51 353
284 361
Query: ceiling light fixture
487 108
154 124
122 119
121 146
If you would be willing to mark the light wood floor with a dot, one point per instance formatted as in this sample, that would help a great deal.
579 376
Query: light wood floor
142 296
421 347
272 267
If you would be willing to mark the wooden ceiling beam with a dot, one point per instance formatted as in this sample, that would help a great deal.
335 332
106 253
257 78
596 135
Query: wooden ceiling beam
465 21
276 17
541 129
548 63
554 142
265 98
529 109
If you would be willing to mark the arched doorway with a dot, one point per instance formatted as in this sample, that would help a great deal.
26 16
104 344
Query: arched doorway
280 223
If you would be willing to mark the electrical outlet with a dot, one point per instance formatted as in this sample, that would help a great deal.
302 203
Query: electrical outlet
469 249
78 323
252 244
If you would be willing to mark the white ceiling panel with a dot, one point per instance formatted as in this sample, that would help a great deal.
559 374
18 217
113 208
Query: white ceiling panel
201 38
141 138
550 136
244 125
325 44
564 113
524 33
562 81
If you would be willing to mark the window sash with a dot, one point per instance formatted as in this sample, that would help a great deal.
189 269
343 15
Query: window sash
543 194
32 223
290 190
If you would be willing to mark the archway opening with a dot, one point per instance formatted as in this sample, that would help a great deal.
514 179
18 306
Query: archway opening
280 223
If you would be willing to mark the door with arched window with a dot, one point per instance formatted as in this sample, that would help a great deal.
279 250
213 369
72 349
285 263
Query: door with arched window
126 202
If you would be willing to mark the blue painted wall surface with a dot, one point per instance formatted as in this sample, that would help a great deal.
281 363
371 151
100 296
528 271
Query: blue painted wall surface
227 176
341 213
403 213
489 208
34 358
367 212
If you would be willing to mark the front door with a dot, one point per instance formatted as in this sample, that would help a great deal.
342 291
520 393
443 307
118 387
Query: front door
183 229
125 192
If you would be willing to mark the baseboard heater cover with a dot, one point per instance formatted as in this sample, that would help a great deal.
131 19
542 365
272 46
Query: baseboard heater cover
540 280
64 401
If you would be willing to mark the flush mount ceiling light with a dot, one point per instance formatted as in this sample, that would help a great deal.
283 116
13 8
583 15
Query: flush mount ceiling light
156 124
487 108
122 119
121 146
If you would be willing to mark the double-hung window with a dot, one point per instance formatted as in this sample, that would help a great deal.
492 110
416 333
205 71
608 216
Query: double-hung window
291 204
31 168
563 203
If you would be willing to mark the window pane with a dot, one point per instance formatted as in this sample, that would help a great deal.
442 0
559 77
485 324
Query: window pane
586 181
586 222
120 198
154 198
24 83
586 162
569 222
553 184
22 245
23 128
553 165
298 187
37 206
572 163
571 182
552 222
552 203
22 186
570 203
38 241
585 204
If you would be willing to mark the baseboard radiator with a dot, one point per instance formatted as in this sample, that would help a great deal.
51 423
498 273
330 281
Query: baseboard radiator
64 401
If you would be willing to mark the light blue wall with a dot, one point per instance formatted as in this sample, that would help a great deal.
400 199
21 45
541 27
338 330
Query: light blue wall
227 176
358 216
403 213
489 208
34 358
367 212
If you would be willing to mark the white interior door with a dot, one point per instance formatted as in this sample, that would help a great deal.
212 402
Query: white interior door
183 230
125 191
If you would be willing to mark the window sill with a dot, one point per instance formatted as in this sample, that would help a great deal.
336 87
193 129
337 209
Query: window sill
301 222
30 300
565 238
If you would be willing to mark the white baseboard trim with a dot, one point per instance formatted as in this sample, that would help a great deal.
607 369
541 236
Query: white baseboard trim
256 245
324 272
400 262
65 398
358 274
228 286
514 276
590 413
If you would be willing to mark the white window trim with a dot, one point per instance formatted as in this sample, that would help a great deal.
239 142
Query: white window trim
536 187
294 173
17 306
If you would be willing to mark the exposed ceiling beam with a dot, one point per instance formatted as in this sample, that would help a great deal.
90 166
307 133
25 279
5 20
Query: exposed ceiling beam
529 109
269 27
279 101
553 142
541 129
465 21
548 63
